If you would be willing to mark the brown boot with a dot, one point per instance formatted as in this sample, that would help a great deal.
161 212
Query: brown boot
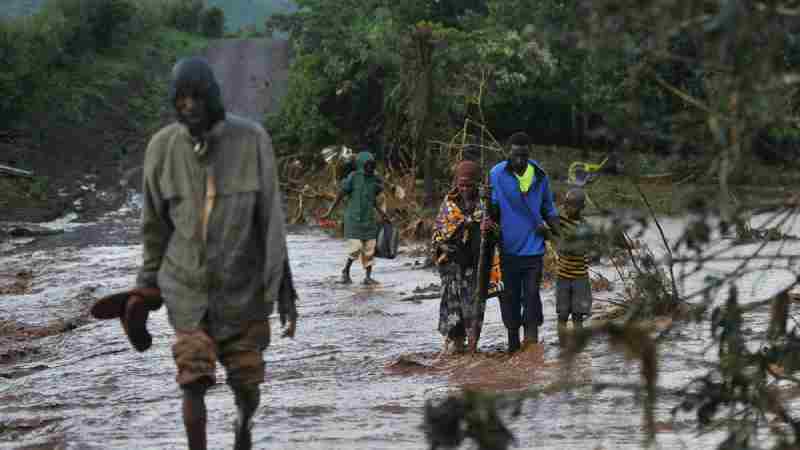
134 322
132 308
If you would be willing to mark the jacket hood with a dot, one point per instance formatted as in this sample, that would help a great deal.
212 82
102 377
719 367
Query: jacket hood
195 75
362 158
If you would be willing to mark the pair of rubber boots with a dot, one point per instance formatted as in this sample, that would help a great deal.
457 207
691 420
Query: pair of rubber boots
132 307
368 280
531 337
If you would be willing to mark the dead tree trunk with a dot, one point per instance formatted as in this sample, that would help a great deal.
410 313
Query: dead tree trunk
420 107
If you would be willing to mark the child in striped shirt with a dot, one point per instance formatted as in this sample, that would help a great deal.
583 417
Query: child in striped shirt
573 290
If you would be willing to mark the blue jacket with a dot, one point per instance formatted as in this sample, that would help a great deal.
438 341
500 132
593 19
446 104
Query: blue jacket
521 214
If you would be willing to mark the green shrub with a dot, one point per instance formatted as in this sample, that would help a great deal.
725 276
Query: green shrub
66 32
89 25
184 14
212 23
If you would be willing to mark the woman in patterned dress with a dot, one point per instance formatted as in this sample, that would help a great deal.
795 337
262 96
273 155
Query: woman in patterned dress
456 242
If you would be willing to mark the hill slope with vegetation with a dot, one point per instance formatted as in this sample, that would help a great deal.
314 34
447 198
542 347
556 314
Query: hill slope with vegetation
250 13
82 95
20 8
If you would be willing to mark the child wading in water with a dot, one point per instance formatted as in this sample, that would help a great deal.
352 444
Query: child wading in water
573 290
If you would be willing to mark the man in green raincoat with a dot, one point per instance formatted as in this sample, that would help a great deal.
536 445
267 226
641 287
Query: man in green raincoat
361 188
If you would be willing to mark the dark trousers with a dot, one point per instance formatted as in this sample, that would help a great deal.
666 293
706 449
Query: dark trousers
522 304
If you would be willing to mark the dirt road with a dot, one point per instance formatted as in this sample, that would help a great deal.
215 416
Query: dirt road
253 74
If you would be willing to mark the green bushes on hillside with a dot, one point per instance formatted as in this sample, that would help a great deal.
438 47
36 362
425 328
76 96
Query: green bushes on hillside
184 15
212 23
92 24
34 49
64 32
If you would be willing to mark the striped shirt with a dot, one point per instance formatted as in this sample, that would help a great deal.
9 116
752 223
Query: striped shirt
573 264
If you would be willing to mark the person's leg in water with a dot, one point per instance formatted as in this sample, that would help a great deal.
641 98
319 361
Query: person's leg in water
581 301
194 415
243 359
511 306
247 399
355 251
563 302
346 272
532 317
456 336
368 260
195 357
577 321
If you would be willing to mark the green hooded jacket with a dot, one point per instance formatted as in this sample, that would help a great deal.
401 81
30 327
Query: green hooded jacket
362 190
225 267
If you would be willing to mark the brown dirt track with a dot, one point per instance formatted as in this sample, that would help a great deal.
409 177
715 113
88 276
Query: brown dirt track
253 74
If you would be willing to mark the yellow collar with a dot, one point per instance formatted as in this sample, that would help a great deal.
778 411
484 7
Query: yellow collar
526 179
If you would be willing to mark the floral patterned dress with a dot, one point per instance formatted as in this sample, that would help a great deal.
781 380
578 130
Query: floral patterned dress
460 230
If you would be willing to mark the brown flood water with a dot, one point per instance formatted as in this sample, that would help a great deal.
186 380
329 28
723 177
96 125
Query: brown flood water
356 377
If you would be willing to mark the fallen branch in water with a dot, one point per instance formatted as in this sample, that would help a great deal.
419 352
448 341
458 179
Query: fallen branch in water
7 170
420 297
315 355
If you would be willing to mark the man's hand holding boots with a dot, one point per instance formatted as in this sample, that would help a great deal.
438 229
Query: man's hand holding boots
132 308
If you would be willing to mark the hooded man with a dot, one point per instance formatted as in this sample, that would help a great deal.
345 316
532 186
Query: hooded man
522 204
361 188
214 244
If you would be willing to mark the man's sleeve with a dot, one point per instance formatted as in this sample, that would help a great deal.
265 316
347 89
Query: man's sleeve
156 225
548 204
272 220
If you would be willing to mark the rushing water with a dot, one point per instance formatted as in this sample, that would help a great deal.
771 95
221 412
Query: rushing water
345 381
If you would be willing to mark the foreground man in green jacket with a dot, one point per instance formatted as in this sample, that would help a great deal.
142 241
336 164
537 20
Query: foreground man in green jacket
361 188
215 246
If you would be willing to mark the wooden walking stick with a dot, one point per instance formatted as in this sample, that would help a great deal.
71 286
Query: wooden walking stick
485 256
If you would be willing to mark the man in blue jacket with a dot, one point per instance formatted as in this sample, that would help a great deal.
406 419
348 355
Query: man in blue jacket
522 204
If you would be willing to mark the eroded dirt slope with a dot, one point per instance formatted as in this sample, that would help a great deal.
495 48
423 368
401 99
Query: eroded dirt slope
253 74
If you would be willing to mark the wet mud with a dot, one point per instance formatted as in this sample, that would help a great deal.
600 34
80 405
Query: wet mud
357 376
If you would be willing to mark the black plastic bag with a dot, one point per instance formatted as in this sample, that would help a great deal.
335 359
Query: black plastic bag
388 241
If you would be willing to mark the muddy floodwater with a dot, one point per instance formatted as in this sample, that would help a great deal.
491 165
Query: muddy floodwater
357 375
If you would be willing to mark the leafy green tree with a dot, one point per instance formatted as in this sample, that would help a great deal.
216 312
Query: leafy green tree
212 23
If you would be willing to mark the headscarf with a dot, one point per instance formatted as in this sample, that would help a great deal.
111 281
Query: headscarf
468 170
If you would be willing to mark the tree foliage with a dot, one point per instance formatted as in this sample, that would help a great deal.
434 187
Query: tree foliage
501 65
64 33
212 23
